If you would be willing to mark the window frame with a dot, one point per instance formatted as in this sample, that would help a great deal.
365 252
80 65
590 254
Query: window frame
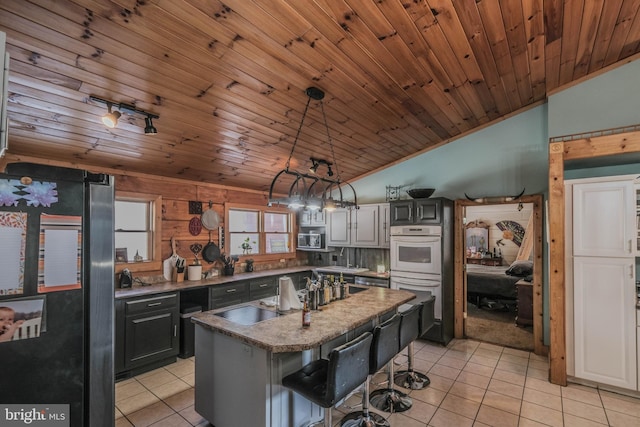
262 255
155 216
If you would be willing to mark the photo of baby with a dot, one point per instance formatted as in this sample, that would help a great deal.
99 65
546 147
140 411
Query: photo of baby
20 319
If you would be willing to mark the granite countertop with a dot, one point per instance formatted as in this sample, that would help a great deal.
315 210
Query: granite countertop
285 332
161 287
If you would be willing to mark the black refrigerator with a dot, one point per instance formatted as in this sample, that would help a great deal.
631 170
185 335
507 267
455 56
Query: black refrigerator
57 295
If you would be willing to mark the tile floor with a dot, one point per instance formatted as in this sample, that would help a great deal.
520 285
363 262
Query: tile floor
472 384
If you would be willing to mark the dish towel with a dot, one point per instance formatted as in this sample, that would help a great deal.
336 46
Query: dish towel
288 296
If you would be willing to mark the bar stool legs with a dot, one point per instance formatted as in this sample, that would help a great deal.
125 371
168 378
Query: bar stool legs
364 418
389 399
409 378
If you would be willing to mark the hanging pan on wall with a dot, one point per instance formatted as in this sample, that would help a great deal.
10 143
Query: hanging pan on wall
210 252
210 219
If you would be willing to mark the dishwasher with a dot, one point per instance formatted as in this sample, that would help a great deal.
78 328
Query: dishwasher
372 281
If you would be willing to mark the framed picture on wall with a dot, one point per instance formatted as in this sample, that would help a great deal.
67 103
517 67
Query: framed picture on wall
121 255
477 238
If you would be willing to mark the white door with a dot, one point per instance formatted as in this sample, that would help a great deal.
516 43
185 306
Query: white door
604 219
364 226
604 320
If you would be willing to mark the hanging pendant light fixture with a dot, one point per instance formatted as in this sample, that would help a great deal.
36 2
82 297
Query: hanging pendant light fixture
310 190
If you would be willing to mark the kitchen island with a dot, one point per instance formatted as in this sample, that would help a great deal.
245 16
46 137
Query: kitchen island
239 367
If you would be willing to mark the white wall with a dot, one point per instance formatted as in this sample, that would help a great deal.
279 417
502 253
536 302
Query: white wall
496 161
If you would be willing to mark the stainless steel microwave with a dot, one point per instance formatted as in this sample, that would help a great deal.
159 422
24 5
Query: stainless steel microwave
310 240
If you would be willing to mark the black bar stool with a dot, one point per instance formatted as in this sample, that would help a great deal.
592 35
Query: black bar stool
325 382
383 349
415 323
389 399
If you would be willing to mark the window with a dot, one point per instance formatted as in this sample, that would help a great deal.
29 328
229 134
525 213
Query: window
137 231
259 231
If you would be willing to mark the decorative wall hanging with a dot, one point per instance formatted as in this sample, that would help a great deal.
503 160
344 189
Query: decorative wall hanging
494 199
511 230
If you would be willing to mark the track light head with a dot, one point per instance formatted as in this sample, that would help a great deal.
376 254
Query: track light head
149 128
110 119
314 166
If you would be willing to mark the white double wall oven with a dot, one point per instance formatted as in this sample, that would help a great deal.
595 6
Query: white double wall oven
416 261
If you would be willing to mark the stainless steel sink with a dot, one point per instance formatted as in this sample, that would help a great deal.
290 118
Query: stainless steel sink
247 315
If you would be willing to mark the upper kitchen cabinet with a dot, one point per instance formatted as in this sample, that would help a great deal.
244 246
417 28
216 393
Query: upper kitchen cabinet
312 218
604 219
358 227
416 211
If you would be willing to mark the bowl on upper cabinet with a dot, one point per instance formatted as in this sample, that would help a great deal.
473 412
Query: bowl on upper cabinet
420 193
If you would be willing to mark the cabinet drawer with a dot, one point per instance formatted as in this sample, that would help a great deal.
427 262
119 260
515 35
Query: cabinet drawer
150 304
262 288
224 295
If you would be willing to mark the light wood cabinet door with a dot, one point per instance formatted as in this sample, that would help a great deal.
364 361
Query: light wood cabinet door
604 219
604 320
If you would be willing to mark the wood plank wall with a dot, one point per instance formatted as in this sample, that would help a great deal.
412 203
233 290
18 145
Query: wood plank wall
176 195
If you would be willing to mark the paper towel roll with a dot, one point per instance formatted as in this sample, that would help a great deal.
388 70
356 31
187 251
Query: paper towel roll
288 295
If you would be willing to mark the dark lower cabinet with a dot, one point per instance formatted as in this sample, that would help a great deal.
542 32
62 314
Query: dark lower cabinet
148 328
148 334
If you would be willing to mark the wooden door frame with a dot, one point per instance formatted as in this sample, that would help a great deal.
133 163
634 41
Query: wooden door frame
593 145
459 261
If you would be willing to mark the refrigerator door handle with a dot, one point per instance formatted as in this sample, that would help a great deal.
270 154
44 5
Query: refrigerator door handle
175 330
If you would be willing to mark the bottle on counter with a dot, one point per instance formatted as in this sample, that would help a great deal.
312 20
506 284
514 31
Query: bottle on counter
320 290
327 292
306 313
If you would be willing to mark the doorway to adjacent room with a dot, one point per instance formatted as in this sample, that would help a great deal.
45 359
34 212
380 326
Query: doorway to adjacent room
498 280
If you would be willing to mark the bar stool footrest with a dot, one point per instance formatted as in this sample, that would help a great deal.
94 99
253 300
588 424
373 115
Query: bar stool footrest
411 379
390 400
357 419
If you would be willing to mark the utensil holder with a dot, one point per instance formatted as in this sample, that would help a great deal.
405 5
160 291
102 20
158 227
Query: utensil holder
194 272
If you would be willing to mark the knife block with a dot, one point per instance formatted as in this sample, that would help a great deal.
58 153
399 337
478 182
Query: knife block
177 277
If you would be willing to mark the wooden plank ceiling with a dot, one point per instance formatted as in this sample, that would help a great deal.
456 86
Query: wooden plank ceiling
228 79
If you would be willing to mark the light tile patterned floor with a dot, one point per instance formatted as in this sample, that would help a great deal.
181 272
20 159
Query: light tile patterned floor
472 384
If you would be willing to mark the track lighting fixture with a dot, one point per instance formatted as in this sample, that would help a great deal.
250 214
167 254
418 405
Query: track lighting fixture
309 190
111 118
